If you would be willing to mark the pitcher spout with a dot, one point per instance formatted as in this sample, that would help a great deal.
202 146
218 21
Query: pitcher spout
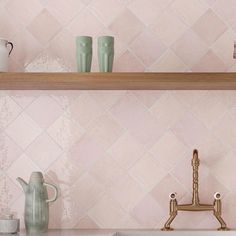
22 183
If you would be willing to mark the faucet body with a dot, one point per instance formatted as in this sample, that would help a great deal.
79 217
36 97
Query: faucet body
195 205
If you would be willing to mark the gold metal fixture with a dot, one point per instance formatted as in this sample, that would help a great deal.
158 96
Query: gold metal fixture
195 205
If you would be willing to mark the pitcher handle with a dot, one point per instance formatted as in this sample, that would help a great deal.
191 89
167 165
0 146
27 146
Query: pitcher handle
11 44
55 192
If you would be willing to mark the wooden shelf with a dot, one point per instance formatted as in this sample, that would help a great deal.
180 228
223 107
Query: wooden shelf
117 81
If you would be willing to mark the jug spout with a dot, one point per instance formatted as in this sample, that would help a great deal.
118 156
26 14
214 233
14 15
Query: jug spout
22 183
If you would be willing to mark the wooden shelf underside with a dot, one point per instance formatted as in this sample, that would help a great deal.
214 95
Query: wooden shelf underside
117 81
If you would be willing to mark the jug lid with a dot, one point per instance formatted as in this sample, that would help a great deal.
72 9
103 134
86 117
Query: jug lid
36 176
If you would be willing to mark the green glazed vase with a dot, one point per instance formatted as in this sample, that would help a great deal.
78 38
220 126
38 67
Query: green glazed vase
84 53
36 203
105 53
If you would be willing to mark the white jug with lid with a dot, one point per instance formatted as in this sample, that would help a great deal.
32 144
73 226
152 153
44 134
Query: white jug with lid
4 54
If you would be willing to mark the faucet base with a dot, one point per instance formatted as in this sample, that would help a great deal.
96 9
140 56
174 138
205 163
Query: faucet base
167 229
223 229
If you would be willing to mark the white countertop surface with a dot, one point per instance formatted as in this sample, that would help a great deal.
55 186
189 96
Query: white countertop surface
69 232
76 232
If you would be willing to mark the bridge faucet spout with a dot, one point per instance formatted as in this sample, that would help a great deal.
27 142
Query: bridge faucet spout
195 205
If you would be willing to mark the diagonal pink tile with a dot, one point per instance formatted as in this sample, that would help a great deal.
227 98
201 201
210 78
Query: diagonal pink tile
86 223
85 23
209 27
67 210
211 108
107 213
22 163
3 3
64 98
126 32
148 212
23 130
9 193
168 150
209 63
218 170
225 129
105 130
223 47
106 98
128 63
148 98
128 108
126 151
24 12
153 49
127 193
85 193
65 131
64 11
84 109
163 109
106 172
169 27
44 110
9 25
64 172
43 151
24 97
169 62
147 172
86 152
190 131
188 11
107 10
9 110
44 27
189 98
210 2
86 1
226 11
189 48
149 11
9 151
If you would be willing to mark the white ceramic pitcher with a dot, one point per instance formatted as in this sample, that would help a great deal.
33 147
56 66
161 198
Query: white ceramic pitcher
4 54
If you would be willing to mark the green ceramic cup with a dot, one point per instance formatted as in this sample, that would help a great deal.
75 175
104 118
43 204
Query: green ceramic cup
105 53
84 53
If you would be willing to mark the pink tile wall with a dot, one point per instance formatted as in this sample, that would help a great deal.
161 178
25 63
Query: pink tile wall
154 35
116 155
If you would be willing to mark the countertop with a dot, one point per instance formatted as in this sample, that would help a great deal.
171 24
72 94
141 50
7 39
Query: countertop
69 232
117 232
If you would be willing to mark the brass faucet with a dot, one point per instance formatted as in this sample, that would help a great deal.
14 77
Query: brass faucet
195 205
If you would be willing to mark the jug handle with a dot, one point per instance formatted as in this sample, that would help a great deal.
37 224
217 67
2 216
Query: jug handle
11 44
55 192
